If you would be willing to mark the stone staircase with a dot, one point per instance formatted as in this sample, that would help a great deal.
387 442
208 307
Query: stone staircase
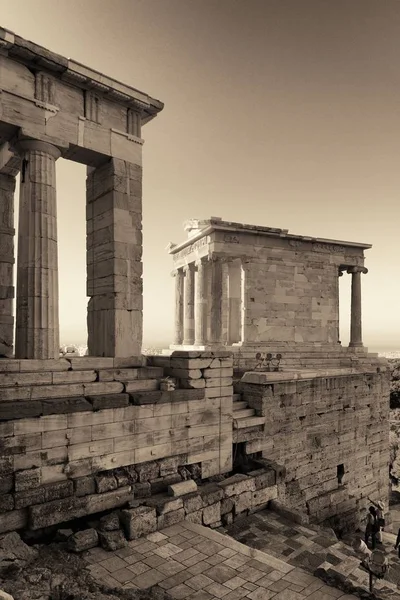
244 417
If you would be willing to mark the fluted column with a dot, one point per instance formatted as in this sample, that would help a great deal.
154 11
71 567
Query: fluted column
188 319
201 304
244 275
216 301
37 322
179 277
234 301
356 320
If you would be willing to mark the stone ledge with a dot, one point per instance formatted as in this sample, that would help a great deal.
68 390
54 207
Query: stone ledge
15 365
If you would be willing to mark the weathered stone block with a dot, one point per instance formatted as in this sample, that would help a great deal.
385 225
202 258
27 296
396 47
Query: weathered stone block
13 520
243 502
11 543
29 497
211 493
139 521
170 518
112 540
227 505
169 466
10 410
84 486
141 490
26 480
6 484
7 503
212 513
263 478
53 406
104 401
237 484
192 503
182 488
109 522
105 482
83 540
148 471
264 495
58 490
195 517
164 505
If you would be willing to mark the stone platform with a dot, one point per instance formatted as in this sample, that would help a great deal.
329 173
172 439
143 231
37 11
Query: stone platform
192 562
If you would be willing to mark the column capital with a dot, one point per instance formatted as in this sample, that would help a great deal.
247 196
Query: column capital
177 271
188 267
23 146
357 269
200 262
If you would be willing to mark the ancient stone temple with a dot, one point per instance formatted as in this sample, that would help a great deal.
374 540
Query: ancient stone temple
249 289
258 403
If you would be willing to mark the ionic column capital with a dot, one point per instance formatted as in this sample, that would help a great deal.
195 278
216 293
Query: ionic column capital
200 262
356 269
24 146
188 268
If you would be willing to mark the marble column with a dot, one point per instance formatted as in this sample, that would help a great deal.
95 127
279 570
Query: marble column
244 275
201 303
234 301
179 278
37 322
188 313
356 320
216 301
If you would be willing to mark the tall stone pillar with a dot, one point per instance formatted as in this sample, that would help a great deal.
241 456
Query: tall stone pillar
179 278
7 232
216 301
201 304
356 320
244 300
37 322
188 312
234 301
114 259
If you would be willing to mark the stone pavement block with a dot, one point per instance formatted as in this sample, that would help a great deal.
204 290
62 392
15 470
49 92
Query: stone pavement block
217 590
171 567
235 582
113 564
220 573
138 568
148 579
199 567
261 594
123 575
180 591
199 582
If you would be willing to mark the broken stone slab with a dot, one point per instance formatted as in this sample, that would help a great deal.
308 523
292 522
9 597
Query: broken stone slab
112 540
211 493
83 540
11 543
109 522
182 488
139 521
5 596
237 484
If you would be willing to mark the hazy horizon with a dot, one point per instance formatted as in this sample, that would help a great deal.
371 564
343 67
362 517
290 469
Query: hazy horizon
277 112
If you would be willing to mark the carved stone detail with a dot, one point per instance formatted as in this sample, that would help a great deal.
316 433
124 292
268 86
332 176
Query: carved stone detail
92 106
231 239
328 248
45 88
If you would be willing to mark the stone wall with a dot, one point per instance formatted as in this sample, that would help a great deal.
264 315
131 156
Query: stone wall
84 435
317 426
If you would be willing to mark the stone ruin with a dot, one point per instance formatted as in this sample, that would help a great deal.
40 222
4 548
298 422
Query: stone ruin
205 432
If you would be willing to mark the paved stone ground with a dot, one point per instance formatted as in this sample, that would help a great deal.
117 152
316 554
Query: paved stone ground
310 547
196 563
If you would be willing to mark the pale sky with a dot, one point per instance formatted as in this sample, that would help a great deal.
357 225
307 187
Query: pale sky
282 113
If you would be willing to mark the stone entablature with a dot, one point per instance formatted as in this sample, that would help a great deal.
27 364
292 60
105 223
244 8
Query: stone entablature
239 285
52 107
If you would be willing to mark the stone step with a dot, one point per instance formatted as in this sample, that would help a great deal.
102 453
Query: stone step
239 405
243 414
237 397
248 422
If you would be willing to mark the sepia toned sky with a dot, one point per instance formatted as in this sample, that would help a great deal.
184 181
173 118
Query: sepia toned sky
282 113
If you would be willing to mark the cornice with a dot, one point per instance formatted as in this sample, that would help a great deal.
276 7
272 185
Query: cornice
38 58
